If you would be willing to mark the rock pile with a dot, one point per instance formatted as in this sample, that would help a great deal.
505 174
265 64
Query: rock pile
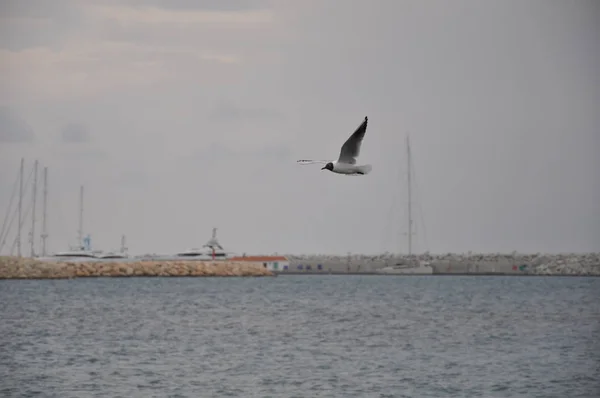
539 264
586 264
28 268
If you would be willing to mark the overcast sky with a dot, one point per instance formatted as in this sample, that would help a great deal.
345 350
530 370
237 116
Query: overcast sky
182 115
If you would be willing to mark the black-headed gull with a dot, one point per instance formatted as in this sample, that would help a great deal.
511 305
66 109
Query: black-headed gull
346 163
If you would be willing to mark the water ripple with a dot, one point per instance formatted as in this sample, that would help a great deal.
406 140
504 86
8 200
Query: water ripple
297 336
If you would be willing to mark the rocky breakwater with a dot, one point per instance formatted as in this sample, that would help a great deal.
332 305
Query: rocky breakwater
28 268
567 264
584 264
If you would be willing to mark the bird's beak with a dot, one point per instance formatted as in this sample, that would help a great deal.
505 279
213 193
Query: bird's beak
323 168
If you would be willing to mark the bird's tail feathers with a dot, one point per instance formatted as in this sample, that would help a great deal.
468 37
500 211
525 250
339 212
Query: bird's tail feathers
365 168
307 161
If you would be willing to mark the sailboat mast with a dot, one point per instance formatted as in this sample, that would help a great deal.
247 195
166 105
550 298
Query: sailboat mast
80 232
20 207
123 247
214 237
410 221
44 231
35 173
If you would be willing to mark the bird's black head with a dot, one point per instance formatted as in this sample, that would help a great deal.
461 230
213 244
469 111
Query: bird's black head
328 166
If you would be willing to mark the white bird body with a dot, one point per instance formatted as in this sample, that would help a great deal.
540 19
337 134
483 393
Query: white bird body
346 163
341 167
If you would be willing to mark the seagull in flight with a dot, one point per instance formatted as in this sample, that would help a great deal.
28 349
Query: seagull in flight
346 163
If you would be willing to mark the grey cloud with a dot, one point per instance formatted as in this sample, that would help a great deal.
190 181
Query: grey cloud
13 128
227 112
131 178
75 133
226 39
214 5
56 9
35 23
177 37
86 155
277 152
500 102
211 5
217 153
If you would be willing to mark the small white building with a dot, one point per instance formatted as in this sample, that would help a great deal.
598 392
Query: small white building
272 263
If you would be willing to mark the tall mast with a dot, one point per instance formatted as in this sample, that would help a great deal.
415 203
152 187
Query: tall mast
80 232
44 231
410 221
20 207
123 247
214 238
32 236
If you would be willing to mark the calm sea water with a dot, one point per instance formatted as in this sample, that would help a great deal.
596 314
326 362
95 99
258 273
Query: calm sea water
301 336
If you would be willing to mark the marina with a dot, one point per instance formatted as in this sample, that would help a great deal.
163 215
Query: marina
288 264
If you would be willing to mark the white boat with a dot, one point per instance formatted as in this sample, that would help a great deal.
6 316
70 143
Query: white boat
420 268
122 254
76 253
87 254
413 265
111 255
83 250
80 252
211 250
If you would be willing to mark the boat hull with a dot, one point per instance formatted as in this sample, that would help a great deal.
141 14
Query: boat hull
418 270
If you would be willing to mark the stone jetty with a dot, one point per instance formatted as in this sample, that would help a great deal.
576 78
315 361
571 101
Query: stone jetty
29 268
584 264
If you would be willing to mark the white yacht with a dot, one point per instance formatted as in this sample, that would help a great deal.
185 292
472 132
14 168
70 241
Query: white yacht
421 268
121 254
211 250
83 250
76 253
111 255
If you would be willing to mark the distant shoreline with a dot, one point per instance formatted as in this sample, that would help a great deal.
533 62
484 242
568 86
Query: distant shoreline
324 273
584 264
12 267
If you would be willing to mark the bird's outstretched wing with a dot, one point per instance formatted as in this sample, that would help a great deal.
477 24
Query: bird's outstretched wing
303 161
351 148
